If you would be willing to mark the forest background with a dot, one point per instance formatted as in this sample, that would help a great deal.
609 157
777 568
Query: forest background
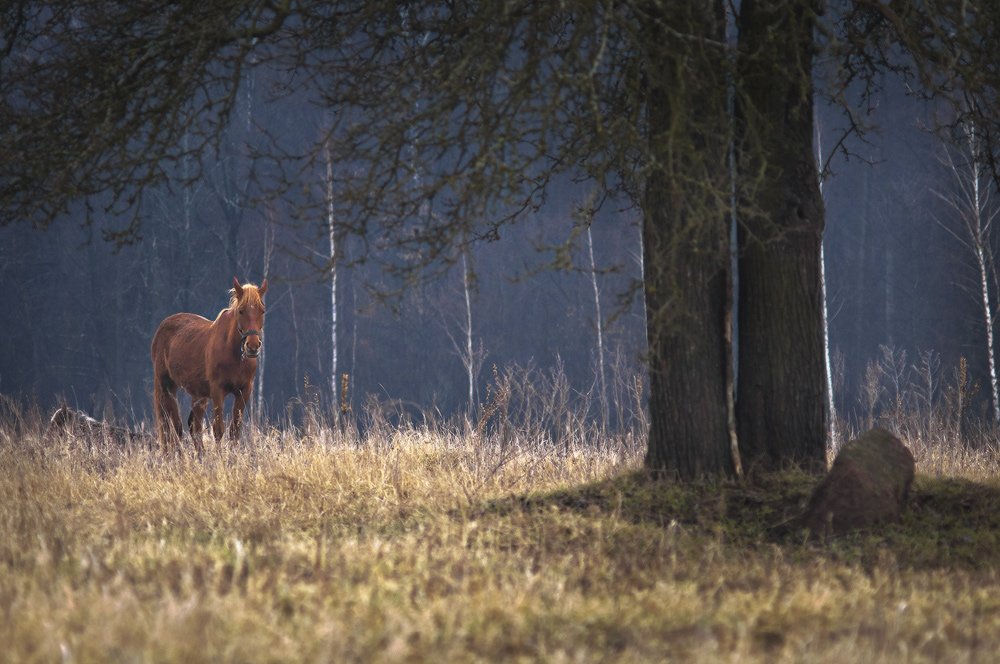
79 311
903 288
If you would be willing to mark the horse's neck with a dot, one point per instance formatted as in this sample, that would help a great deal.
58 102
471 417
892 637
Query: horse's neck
225 324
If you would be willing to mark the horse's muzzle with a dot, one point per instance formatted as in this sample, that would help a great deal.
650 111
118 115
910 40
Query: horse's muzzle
248 351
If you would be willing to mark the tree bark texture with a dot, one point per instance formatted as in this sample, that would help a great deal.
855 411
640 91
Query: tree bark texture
685 245
688 436
780 398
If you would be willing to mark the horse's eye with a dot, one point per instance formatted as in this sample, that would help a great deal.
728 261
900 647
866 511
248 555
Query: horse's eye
241 311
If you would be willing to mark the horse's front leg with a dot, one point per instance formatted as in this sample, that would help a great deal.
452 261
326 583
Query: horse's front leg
196 423
218 425
239 404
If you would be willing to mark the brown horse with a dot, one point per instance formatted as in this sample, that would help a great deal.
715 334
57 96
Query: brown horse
208 360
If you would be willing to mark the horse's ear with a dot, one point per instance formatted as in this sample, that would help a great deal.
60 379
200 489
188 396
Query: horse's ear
263 288
237 288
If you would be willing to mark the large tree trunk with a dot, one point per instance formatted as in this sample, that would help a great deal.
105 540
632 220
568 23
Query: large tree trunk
685 243
780 398
688 435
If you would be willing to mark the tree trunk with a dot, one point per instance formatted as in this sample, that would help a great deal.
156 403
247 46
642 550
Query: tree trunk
685 244
599 325
332 236
981 222
258 408
688 436
831 408
470 358
984 286
780 398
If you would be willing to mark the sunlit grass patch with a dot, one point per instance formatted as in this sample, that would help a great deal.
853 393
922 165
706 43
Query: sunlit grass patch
424 545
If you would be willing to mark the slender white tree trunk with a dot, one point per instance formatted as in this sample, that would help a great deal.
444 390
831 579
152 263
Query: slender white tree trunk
831 409
981 240
268 251
641 259
599 323
470 359
333 279
984 284
354 329
188 198
295 334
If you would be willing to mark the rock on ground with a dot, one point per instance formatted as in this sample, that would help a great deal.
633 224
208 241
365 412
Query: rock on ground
866 486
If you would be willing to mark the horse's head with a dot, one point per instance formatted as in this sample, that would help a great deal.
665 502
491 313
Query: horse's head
247 302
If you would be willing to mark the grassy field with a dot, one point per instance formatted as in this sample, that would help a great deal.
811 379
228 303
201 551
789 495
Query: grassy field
417 545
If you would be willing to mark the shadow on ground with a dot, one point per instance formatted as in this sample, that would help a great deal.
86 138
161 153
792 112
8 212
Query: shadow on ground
948 522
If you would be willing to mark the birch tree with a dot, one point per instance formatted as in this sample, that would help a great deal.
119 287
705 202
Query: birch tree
469 356
969 200
262 358
463 344
599 325
331 229
831 409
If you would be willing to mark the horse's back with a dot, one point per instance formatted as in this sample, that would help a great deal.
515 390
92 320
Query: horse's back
178 324
179 333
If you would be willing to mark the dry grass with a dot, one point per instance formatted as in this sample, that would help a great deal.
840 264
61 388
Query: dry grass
435 546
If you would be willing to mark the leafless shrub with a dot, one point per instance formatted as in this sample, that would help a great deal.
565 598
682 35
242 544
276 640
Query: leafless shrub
870 394
928 406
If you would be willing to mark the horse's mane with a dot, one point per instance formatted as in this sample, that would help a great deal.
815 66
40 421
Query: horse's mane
251 296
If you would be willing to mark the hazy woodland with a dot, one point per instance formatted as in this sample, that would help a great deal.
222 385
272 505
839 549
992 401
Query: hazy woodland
451 468
79 312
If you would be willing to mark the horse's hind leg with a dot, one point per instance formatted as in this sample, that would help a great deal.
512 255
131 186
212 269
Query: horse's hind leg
168 414
160 413
196 423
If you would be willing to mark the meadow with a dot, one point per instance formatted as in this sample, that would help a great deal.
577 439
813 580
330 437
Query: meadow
438 542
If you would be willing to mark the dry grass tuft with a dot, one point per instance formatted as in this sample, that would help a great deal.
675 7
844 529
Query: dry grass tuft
429 544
